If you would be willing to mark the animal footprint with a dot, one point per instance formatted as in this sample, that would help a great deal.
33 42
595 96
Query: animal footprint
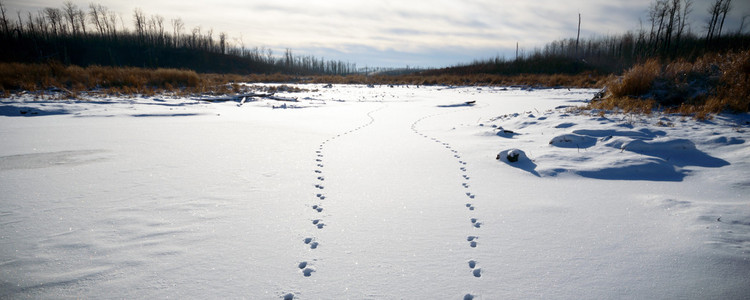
463 169
318 171
320 165
472 241
472 264
466 185
318 223
310 241
318 186
471 207
470 195
477 272
305 270
321 178
318 208
466 176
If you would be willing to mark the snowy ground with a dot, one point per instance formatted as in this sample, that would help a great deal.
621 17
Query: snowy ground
370 193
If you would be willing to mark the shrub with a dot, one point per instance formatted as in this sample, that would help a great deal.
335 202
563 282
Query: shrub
712 83
636 81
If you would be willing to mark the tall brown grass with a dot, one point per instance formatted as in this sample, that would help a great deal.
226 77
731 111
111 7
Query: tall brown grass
713 83
129 80
33 77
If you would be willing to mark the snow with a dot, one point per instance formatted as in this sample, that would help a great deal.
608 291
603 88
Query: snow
370 192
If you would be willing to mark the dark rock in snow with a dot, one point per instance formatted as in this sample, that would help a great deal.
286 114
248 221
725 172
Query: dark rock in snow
512 156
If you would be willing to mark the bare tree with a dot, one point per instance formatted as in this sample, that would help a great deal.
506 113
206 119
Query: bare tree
686 10
222 42
42 23
95 14
139 22
714 10
578 36
725 8
177 26
112 23
70 11
20 22
54 16
6 29
81 18
657 13
673 8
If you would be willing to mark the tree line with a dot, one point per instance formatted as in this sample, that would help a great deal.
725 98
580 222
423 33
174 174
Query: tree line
97 35
667 36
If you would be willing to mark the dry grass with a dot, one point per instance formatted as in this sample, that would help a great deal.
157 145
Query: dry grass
637 81
75 79
130 80
712 84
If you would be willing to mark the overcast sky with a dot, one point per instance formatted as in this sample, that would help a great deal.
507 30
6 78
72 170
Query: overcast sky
398 33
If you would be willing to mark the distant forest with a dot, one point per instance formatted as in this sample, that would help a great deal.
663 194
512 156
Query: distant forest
97 36
666 36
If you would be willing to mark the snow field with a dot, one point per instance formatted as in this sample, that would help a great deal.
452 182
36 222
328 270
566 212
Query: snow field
357 192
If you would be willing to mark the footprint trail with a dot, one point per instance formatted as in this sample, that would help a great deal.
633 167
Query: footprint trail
316 206
464 181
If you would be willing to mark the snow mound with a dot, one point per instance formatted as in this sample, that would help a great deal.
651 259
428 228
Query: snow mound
573 141
517 158
621 147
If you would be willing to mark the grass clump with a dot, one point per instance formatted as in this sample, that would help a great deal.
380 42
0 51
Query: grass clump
711 84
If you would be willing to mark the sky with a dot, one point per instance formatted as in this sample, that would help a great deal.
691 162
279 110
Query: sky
385 33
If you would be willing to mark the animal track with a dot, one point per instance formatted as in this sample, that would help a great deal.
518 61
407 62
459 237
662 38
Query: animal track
307 270
310 241
477 272
318 223
473 240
